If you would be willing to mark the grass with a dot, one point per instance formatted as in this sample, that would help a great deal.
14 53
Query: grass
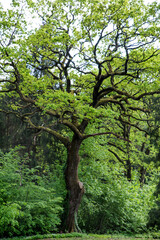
78 236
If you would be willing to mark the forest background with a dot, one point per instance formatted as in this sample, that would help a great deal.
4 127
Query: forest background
79 100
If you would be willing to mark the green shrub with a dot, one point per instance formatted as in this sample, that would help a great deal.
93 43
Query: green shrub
28 203
111 203
154 214
39 217
9 214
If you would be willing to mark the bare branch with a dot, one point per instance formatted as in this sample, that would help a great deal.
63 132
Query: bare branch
106 133
64 140
114 145
116 155
133 125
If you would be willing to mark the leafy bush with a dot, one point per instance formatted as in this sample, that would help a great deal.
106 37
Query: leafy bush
28 203
154 214
111 203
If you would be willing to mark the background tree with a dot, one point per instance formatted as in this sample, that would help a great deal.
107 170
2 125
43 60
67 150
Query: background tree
100 61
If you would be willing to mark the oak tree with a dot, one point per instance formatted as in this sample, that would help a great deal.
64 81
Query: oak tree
80 63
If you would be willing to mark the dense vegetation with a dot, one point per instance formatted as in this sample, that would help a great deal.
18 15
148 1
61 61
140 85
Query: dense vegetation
79 100
31 198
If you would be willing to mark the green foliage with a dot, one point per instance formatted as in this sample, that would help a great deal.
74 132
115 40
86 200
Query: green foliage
9 214
154 215
111 203
88 36
28 203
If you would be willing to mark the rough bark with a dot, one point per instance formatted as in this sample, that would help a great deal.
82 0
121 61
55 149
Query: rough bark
75 188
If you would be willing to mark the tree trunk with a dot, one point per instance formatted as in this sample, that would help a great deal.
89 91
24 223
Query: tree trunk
142 175
128 170
75 188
